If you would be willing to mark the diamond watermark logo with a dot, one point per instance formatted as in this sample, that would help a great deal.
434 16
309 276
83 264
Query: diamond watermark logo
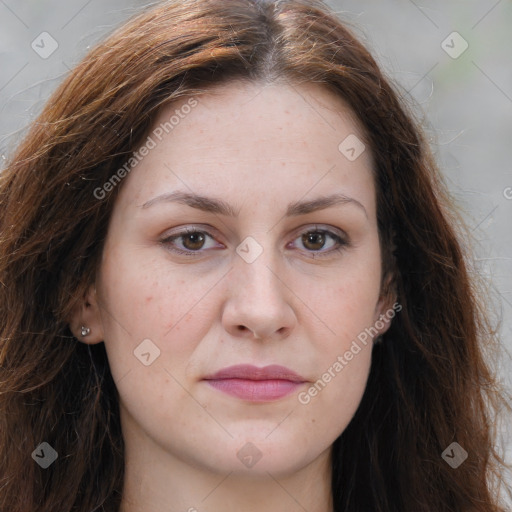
454 455
44 45
454 45
352 147
146 352
249 250
249 455
45 455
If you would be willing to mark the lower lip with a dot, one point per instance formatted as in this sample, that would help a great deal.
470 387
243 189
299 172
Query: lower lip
255 390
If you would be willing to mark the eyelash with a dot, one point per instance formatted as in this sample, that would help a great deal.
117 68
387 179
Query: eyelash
341 243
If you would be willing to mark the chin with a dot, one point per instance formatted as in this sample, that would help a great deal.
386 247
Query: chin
259 454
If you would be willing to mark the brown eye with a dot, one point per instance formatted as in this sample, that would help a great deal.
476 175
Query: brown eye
190 242
195 241
318 242
322 242
313 240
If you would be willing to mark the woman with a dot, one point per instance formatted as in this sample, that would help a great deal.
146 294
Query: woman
231 278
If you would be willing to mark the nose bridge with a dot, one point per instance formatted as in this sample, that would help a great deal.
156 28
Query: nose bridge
258 298
255 265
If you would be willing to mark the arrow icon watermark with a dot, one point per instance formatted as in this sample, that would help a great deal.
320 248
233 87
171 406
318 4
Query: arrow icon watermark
146 352
352 147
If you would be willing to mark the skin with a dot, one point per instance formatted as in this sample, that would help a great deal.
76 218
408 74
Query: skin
257 147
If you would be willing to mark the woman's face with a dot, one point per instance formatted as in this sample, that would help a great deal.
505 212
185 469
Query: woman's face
280 266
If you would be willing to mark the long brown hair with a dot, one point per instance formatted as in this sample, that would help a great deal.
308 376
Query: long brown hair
429 385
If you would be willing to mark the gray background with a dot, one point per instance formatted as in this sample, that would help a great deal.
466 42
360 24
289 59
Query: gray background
465 102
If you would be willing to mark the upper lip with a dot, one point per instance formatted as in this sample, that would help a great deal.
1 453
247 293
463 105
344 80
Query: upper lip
250 372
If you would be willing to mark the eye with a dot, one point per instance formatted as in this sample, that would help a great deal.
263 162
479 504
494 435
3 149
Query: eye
192 241
315 241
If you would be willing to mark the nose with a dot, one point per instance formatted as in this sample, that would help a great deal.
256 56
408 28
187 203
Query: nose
259 303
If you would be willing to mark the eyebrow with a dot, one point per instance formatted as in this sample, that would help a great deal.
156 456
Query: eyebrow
220 207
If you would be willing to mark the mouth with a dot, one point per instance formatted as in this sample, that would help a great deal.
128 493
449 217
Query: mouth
255 384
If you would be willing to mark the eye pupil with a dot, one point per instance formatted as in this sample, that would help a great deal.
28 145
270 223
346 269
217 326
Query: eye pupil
313 237
196 238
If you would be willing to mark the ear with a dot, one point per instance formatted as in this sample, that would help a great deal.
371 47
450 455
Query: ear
387 306
87 314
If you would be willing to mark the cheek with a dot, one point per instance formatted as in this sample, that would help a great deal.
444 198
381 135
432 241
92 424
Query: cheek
329 404
153 322
344 305
342 356
343 330
143 299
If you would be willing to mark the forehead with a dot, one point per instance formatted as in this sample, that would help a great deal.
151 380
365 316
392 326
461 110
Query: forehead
251 110
254 138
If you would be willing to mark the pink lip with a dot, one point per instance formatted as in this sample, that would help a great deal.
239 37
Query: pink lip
256 384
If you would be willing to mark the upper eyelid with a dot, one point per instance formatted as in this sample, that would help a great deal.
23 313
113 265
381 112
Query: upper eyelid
207 230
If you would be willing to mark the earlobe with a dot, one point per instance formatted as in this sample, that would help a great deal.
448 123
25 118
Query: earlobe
86 324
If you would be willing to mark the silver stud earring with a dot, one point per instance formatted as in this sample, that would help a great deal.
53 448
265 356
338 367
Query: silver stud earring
85 330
